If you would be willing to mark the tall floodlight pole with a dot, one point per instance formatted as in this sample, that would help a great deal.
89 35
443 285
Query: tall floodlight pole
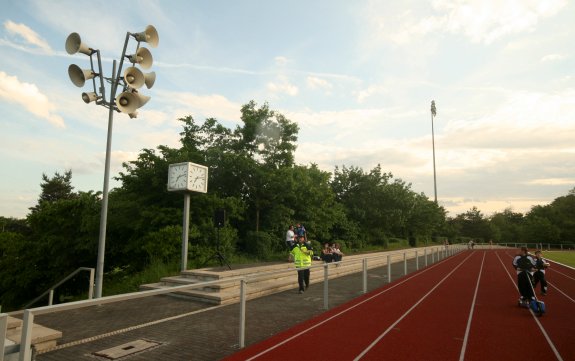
127 102
433 114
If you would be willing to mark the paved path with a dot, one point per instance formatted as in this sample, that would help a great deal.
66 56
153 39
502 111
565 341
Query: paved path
188 330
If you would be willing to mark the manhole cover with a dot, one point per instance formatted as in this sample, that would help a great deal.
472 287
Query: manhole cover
126 349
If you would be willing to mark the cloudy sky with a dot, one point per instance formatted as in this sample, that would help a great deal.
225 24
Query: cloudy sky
357 76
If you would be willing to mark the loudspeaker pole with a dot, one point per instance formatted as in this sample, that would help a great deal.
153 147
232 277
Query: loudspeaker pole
104 210
433 114
79 76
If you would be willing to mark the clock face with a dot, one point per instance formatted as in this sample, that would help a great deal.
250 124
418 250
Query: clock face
178 177
188 177
198 178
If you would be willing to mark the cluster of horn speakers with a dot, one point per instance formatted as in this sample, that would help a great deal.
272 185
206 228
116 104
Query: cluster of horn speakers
130 99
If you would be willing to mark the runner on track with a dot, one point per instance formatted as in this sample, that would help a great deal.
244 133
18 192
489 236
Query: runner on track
524 264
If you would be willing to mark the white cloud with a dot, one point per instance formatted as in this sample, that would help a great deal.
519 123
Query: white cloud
30 97
215 105
318 83
483 21
29 35
362 95
552 181
283 86
281 60
552 58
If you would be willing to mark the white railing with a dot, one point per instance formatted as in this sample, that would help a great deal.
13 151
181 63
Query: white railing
50 291
434 252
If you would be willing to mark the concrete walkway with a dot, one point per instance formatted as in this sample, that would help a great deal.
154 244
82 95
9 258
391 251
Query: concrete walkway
171 328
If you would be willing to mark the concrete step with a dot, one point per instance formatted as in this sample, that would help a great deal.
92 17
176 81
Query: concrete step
265 279
42 337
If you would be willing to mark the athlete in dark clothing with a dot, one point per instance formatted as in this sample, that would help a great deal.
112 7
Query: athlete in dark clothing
539 276
524 264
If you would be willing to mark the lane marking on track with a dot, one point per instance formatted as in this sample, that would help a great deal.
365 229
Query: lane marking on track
563 293
561 273
555 351
366 350
462 354
350 308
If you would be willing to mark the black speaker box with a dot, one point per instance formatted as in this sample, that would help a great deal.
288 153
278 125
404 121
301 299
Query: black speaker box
219 217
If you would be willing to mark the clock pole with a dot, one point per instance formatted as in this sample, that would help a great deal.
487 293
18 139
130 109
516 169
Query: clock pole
185 229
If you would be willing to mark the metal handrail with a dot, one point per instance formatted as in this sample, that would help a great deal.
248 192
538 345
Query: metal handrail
29 314
50 291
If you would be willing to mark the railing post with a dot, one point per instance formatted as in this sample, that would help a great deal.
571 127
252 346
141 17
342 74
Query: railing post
325 286
365 275
388 269
26 338
242 313
404 263
91 287
416 261
50 297
425 255
3 327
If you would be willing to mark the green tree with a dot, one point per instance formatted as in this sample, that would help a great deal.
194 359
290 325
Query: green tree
509 226
473 224
540 230
56 188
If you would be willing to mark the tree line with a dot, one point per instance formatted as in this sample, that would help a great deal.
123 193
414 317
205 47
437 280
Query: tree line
253 176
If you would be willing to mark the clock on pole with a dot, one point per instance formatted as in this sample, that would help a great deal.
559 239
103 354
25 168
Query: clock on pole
187 177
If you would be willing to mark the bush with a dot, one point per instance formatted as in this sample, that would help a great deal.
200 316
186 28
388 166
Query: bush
261 244
164 245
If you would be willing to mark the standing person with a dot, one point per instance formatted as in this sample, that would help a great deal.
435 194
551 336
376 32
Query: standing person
539 276
524 264
302 260
300 231
290 241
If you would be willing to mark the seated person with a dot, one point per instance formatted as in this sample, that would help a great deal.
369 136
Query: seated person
337 253
326 253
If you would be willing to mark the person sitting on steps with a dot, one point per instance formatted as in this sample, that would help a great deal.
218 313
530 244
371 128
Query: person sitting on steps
326 253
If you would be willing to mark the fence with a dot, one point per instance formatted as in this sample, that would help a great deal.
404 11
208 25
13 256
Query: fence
351 265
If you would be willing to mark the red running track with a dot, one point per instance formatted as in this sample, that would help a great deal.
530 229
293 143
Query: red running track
462 308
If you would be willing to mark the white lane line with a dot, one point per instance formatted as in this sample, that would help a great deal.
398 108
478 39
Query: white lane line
462 354
366 350
263 352
563 293
555 351
553 270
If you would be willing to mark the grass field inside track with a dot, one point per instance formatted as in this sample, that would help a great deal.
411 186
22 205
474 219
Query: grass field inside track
565 257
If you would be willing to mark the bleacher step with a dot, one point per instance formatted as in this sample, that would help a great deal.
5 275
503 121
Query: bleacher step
42 337
262 280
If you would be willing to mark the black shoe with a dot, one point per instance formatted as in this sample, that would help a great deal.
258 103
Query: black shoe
300 292
306 287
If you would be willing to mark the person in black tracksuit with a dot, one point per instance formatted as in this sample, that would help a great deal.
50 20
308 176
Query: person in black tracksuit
539 276
524 264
